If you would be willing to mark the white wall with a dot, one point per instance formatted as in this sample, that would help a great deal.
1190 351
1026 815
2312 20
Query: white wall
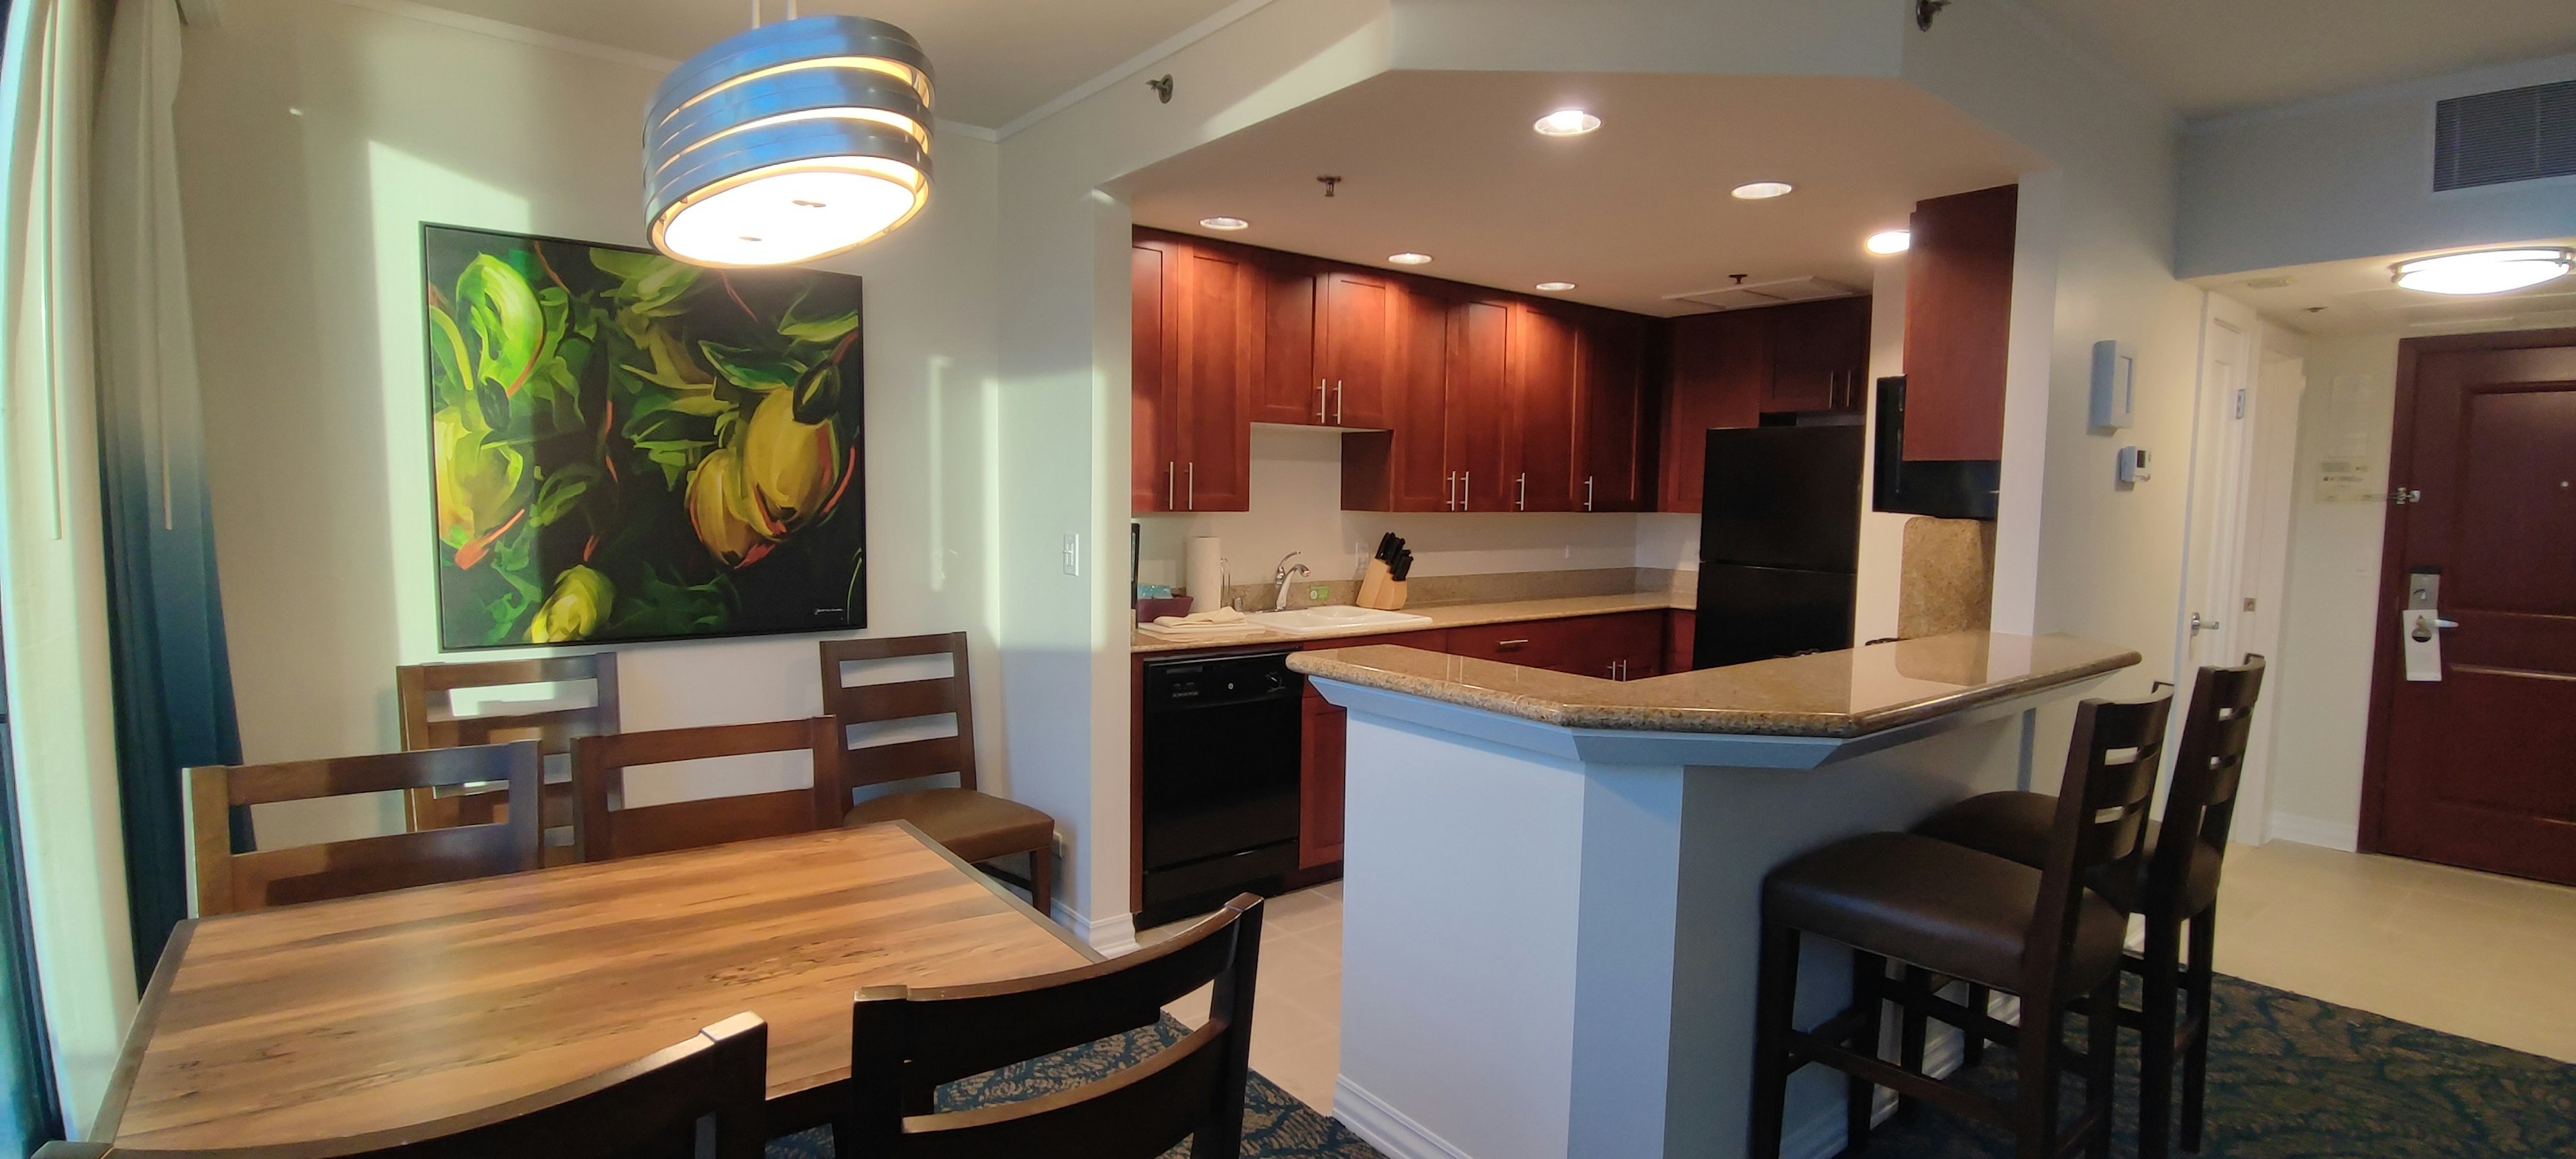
314 138
2351 176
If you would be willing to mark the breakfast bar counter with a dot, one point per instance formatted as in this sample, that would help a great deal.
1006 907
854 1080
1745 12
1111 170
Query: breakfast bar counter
1552 882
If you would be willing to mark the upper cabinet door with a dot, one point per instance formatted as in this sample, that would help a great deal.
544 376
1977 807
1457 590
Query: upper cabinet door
1613 477
1480 406
1545 370
1821 352
1721 363
1288 389
1157 466
1421 403
1958 323
1217 355
1356 348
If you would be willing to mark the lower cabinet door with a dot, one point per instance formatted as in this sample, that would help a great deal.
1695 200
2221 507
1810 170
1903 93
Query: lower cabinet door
1319 833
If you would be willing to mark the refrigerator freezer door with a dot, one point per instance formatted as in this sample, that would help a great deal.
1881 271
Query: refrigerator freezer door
1783 497
1757 613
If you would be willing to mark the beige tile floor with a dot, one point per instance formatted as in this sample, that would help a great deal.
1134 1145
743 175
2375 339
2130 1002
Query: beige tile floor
2472 954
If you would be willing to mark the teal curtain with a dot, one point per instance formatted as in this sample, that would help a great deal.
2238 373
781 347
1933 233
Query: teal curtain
174 696
30 1108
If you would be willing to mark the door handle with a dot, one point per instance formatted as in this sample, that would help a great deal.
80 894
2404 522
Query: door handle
2199 625
1466 490
1171 486
1194 485
1511 645
1451 485
1338 412
1319 402
1587 492
1523 501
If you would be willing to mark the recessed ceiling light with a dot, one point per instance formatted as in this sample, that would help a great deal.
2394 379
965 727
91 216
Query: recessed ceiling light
1409 258
1890 241
1225 223
1556 287
2485 271
1567 123
1762 190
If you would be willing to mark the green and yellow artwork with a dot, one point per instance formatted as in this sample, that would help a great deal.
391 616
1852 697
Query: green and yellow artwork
625 447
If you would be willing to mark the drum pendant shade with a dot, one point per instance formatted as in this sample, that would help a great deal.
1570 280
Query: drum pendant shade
791 142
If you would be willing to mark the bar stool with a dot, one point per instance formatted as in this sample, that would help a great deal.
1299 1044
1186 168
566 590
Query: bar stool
1958 913
2179 887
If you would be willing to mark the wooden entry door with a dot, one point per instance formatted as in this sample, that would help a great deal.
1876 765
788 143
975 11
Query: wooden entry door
2479 768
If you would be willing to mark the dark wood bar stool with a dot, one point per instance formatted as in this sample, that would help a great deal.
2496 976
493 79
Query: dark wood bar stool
2178 888
1954 912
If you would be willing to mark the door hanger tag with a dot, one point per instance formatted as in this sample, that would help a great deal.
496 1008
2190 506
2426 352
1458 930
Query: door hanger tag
2419 635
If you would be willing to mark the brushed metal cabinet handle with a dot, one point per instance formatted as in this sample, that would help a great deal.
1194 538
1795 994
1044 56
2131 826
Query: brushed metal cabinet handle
1319 402
1338 412
1171 486
1587 492
1194 485
1452 484
1466 490
1522 501
1510 645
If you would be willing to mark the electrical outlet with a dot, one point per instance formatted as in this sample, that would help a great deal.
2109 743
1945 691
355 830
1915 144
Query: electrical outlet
1317 594
1073 553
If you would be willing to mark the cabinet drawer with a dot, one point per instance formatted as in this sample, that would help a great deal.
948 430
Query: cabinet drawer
1530 643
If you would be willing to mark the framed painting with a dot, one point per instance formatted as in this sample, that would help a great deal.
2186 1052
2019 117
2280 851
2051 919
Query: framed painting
624 447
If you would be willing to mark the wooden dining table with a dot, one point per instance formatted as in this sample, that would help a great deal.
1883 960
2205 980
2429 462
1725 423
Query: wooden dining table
333 1018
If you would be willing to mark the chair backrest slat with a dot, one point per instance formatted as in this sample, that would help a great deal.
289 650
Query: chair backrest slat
908 1042
228 881
2100 830
599 771
652 1106
2209 766
855 704
428 720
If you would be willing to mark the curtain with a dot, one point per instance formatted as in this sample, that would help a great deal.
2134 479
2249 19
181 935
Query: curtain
174 697
53 604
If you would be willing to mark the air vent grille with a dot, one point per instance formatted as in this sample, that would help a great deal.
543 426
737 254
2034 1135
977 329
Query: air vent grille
1777 292
2512 135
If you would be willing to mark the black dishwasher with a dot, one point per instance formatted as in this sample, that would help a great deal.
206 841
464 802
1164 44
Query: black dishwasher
1220 766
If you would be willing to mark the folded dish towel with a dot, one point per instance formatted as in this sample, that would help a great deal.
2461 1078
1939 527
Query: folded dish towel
1218 625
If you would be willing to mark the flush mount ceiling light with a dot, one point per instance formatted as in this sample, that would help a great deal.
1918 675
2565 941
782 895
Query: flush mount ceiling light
2485 271
1409 258
1890 241
788 143
1762 190
1225 223
1567 123
1555 287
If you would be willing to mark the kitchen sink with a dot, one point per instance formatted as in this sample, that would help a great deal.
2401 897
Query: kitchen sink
1335 619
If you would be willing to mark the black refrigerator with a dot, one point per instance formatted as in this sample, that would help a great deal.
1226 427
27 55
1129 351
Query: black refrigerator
1779 542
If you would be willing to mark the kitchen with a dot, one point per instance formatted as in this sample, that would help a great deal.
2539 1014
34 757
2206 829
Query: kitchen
1542 452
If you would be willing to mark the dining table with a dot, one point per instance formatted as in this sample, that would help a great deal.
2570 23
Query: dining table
333 1018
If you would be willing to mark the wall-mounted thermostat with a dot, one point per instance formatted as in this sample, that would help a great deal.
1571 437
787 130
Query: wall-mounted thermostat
2115 384
2133 465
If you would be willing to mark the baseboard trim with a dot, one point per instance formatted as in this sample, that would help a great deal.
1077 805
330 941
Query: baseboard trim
2343 835
1110 936
1385 1128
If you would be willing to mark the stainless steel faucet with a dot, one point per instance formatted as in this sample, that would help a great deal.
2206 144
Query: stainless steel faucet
1286 575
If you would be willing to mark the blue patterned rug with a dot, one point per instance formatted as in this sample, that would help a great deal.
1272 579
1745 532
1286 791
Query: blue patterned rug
2289 1078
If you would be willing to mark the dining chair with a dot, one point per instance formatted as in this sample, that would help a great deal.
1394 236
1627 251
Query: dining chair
426 694
973 825
906 1042
2177 894
654 1106
605 827
230 882
1951 912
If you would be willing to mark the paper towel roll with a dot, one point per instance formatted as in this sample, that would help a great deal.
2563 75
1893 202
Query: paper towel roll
1205 574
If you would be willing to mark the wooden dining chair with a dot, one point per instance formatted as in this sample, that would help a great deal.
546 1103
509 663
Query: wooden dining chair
229 882
906 1042
654 1106
975 826
426 694
605 827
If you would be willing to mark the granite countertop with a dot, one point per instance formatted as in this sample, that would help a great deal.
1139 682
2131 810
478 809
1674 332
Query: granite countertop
1463 615
1830 694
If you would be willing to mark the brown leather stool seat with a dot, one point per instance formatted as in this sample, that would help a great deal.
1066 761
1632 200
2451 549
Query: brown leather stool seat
974 826
1949 909
2014 826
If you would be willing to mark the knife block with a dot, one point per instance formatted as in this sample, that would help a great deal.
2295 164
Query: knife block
1380 589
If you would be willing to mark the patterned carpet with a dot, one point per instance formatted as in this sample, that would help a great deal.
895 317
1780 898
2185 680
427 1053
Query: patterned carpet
2290 1078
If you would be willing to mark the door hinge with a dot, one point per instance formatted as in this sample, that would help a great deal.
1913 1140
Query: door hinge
2240 402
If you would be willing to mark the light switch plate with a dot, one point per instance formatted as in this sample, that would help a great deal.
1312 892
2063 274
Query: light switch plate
1073 553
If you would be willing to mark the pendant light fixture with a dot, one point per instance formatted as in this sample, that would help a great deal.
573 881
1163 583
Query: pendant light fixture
790 142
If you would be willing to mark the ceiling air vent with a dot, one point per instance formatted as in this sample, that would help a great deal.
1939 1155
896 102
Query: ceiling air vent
2512 135
1779 292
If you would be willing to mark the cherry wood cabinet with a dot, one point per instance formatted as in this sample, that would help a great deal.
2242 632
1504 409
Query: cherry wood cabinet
1156 463
1958 324
1681 639
1480 429
1194 452
1355 350
1546 357
1820 355
1322 768
1288 390
1406 467
1617 471
1721 364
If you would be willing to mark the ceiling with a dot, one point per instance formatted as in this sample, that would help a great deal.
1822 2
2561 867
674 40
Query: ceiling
2206 57
995 59
1445 163
2361 297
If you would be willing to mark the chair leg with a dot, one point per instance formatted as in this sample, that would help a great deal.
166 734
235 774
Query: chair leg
1860 1096
2101 1061
1042 881
2157 987
2043 1027
1775 997
2195 1056
1912 1030
1974 1052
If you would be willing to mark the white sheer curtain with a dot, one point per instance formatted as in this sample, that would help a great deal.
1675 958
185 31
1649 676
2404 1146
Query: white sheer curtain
53 614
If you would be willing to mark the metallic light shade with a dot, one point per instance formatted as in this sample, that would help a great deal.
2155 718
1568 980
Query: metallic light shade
788 143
